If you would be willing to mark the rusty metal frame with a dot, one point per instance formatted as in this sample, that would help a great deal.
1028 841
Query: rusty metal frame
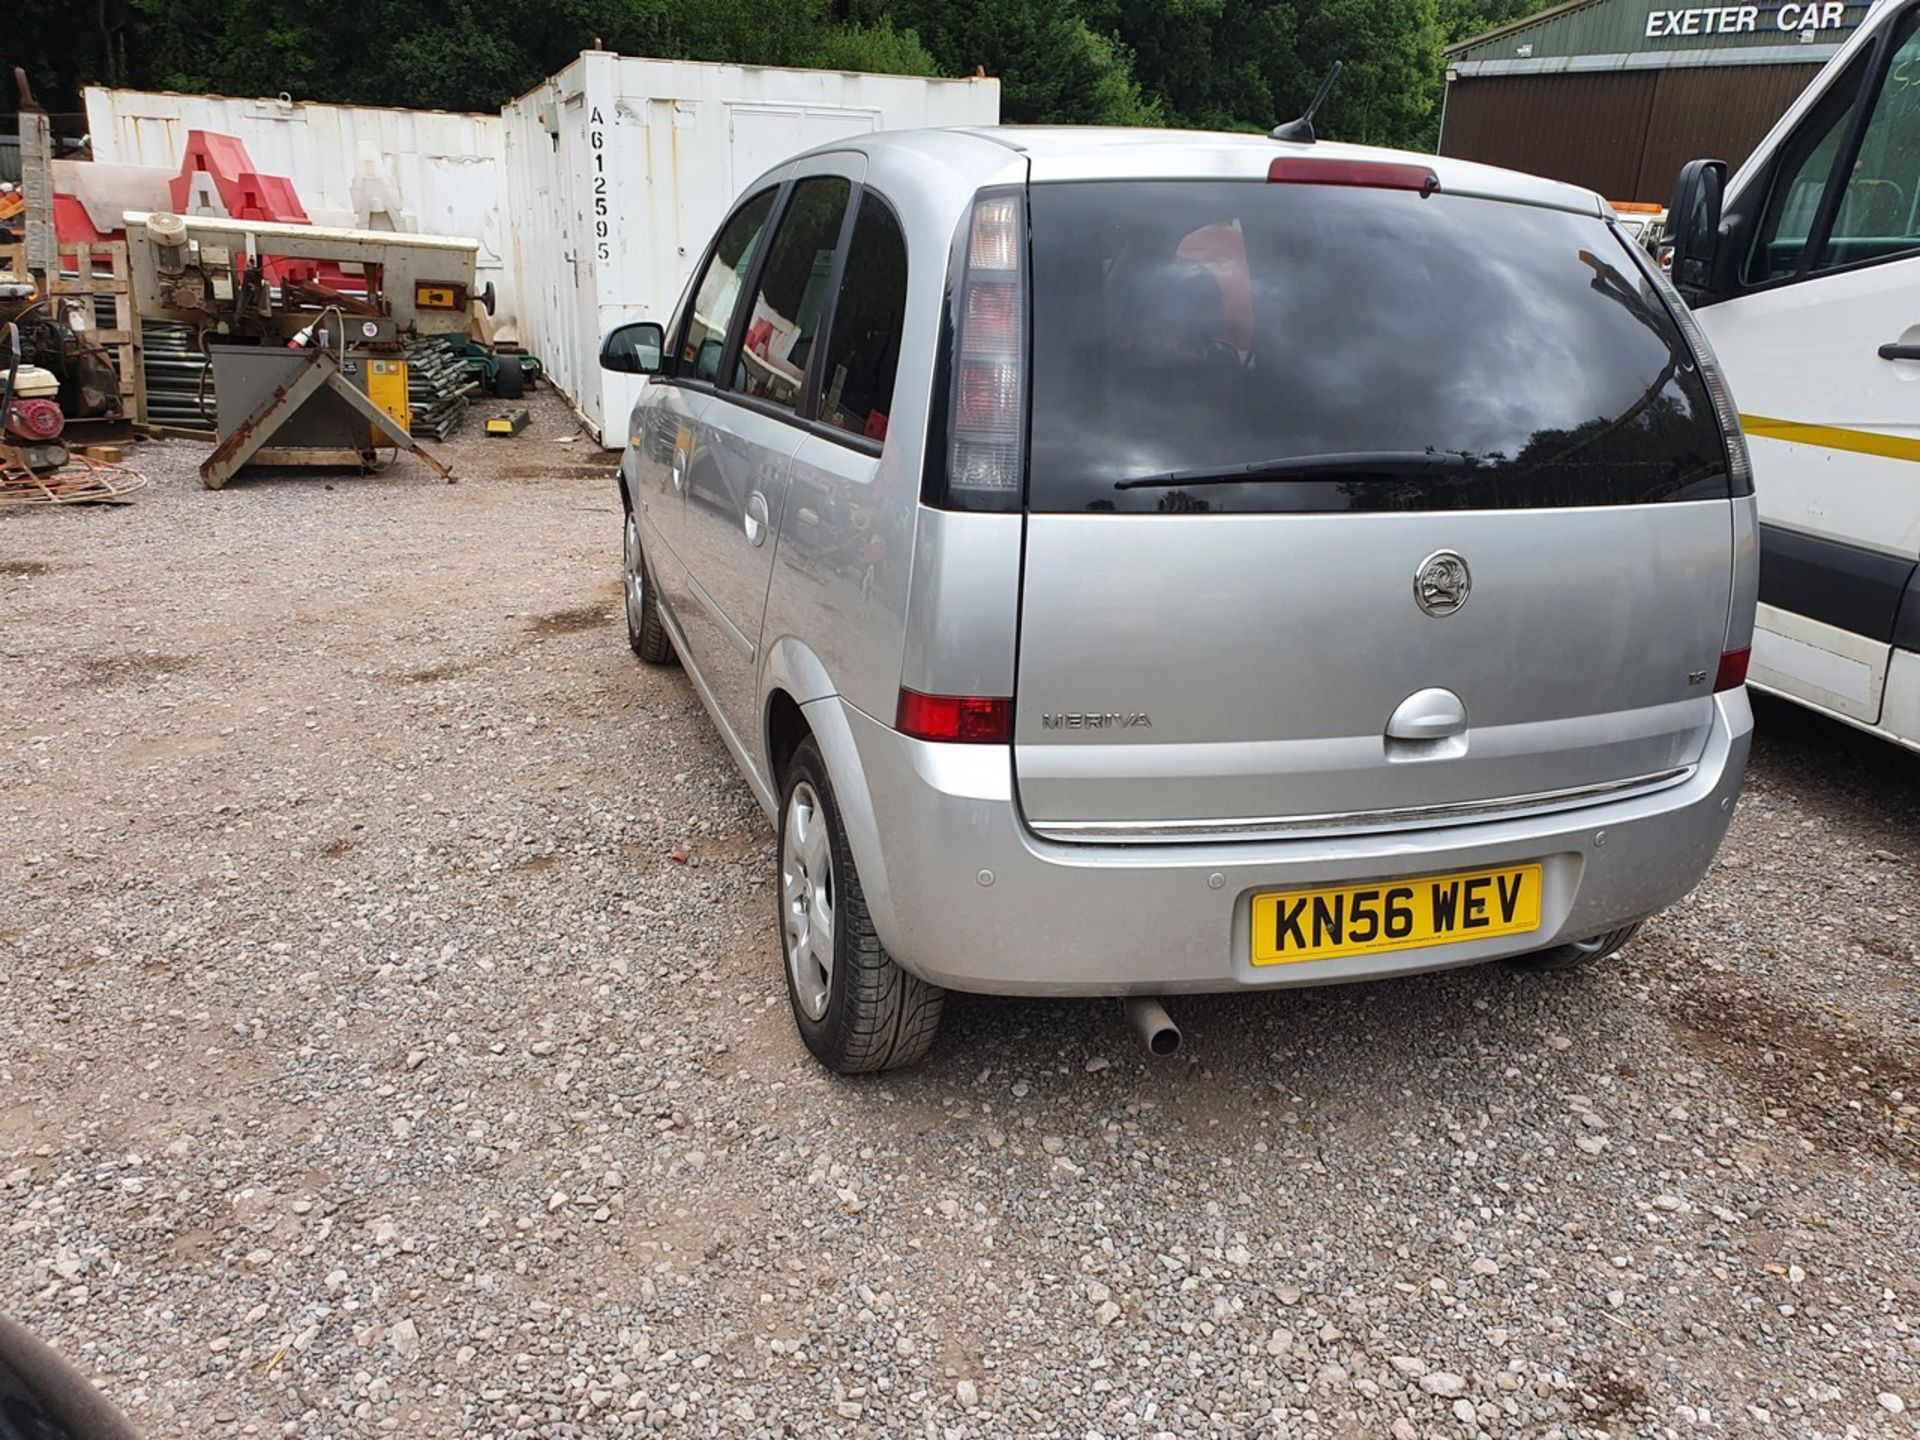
322 372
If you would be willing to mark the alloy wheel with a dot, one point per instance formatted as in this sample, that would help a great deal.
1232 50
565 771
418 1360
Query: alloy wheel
807 899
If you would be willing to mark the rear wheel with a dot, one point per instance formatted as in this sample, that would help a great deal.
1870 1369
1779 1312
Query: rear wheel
646 632
1580 952
856 1009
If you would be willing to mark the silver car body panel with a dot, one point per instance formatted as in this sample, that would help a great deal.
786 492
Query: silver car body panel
1076 154
863 590
1271 653
964 607
966 896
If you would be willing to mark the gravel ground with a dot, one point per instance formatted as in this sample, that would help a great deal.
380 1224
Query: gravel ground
395 1043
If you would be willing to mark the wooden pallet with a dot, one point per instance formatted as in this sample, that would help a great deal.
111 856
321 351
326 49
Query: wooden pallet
81 264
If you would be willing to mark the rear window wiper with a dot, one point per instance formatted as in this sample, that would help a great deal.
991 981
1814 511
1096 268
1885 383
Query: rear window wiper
1313 467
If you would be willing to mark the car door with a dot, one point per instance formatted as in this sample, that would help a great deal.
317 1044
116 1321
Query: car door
1821 342
666 431
746 437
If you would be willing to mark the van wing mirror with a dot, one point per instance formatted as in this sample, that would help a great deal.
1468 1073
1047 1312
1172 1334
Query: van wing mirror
1693 225
636 348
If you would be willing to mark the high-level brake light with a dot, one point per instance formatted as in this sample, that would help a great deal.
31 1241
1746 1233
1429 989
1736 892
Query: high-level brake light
1364 174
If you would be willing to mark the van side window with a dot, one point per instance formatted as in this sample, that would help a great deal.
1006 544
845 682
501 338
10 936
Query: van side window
719 288
778 341
864 351
1799 180
1879 211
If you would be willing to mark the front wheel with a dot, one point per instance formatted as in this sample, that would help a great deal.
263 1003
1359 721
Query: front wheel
646 631
1578 953
855 1008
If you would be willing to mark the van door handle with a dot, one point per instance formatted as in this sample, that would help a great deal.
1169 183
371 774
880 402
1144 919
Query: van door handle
1894 350
678 471
756 519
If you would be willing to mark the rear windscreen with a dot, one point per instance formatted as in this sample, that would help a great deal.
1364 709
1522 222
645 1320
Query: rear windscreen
1242 346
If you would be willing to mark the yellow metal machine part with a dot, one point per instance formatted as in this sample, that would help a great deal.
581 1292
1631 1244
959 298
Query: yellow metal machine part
387 388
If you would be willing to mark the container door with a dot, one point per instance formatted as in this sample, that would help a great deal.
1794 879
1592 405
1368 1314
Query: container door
1355 505
576 312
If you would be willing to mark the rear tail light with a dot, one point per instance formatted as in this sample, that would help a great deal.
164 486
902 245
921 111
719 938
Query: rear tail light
1739 463
968 719
985 449
1733 669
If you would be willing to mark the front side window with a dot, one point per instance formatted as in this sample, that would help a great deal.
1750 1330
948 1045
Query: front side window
1879 212
777 344
865 349
1800 178
718 292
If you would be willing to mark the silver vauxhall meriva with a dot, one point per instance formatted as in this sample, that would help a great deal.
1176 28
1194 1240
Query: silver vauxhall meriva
1130 563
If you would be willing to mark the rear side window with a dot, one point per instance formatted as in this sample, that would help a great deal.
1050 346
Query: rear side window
778 340
1240 346
719 289
865 351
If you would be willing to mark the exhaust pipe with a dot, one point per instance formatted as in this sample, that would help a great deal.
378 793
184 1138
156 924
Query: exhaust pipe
1152 1026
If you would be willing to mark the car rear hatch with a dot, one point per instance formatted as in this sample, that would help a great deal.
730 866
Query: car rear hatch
1354 504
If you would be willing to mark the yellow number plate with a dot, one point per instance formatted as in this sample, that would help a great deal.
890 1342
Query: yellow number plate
1295 925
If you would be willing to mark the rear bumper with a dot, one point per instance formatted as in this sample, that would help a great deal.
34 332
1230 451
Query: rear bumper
965 896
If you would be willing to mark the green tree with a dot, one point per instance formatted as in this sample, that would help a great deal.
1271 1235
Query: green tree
1389 91
1053 66
446 54
1249 64
1212 64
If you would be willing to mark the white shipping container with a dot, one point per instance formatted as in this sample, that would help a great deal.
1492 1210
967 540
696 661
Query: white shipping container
437 172
619 169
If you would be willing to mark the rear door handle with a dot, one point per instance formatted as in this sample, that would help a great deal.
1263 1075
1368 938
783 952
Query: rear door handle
755 520
1894 350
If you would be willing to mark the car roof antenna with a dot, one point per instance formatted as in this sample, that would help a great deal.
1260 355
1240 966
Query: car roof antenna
1302 129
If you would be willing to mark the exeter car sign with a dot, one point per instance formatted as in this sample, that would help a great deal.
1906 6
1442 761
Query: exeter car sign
1745 19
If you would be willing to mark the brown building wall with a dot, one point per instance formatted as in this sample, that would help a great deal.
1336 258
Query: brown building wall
1625 133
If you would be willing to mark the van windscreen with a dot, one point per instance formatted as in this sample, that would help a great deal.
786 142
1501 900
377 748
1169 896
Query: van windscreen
1237 346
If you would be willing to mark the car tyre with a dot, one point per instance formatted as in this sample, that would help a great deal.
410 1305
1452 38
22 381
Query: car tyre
856 1009
1580 952
646 631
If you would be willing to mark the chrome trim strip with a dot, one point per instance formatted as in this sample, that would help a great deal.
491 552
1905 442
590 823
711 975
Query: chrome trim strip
1137 832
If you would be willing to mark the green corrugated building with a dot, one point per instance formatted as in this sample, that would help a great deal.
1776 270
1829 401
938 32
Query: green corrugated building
1618 94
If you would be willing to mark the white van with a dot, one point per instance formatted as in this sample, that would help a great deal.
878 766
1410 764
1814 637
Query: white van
1807 281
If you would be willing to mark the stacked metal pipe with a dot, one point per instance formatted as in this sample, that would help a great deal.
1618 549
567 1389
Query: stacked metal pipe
179 386
437 385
